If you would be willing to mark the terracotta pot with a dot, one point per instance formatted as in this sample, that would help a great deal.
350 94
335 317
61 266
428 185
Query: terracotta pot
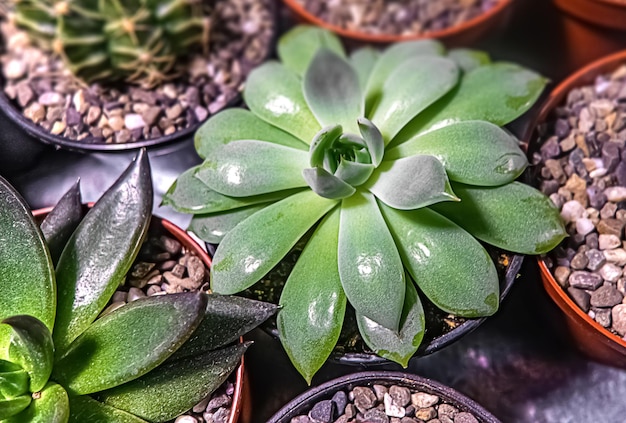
304 402
463 34
589 336
240 407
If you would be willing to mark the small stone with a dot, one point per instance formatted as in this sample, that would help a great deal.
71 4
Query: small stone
579 262
596 197
606 296
58 127
561 128
341 400
601 107
401 395
567 144
615 194
364 398
123 136
218 401
24 94
618 315
14 69
168 244
603 316
572 211
135 294
221 415
585 280
611 227
186 419
201 406
201 113
424 400
35 112
72 116
380 391
119 296
392 409
578 186
608 242
154 290
561 274
556 170
585 120
591 241
51 99
464 417
426 413
616 256
93 114
374 416
54 114
608 211
580 297
133 121
584 226
596 259
610 272
350 411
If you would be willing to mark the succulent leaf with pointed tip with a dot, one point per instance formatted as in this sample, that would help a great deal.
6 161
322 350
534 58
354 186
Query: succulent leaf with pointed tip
407 166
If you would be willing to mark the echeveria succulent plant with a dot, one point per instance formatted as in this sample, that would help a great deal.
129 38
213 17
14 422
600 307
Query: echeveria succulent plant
398 162
136 40
60 361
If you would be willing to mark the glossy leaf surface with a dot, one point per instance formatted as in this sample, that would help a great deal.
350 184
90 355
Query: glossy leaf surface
101 251
11 406
468 59
493 215
86 409
411 182
31 347
297 47
117 348
25 265
397 346
179 385
52 406
274 93
332 91
14 380
239 124
313 302
473 152
369 264
450 267
244 168
212 228
244 255
363 61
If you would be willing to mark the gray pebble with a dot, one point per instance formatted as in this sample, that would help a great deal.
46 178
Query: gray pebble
618 314
585 280
364 398
596 259
580 297
341 400
603 317
322 412
606 296
464 417
374 415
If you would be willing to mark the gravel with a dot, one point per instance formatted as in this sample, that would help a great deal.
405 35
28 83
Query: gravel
581 165
46 93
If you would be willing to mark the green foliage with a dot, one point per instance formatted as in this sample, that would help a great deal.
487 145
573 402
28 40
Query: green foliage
138 40
408 168
59 361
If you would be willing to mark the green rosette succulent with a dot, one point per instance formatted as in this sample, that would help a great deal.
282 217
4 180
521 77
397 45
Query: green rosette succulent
62 359
395 163
135 40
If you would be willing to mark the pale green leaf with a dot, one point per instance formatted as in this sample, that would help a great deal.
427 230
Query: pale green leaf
322 143
52 406
14 380
449 265
373 139
212 228
297 47
312 302
354 173
244 256
363 61
326 184
369 264
85 409
514 217
274 94
468 59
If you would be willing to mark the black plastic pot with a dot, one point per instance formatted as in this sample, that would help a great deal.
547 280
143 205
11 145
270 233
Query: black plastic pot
304 402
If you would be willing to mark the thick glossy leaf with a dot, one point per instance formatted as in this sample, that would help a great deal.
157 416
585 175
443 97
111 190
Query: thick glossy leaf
51 406
391 59
497 93
369 264
244 168
60 223
354 173
397 346
331 89
373 139
245 255
326 184
322 143
129 342
363 61
239 124
189 194
468 59
12 406
212 228
451 268
514 217
411 182
313 303
178 385
31 347
473 152
85 409
101 251
297 47
424 81
274 93
226 319
25 265
14 380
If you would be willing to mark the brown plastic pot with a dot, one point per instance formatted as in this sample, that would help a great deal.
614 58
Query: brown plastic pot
589 337
240 407
463 34
303 403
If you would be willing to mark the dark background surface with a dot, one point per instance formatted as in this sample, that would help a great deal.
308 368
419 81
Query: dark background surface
519 364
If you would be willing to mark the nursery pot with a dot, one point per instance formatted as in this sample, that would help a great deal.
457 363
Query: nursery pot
240 400
463 34
302 404
588 335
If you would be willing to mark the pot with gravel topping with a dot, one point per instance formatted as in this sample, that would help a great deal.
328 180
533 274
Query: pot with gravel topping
123 86
382 397
578 147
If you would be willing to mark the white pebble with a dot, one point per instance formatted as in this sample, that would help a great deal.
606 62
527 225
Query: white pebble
134 121
615 194
14 69
609 241
50 99
572 211
584 226
616 256
610 272
186 419
391 409
598 173
423 400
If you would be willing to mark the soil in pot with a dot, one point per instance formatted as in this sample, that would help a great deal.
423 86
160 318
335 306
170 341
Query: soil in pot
581 165
40 87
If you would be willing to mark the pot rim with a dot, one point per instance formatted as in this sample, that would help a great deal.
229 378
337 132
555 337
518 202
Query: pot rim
305 15
368 378
583 76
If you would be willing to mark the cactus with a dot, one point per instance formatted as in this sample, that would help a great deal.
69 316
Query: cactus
135 40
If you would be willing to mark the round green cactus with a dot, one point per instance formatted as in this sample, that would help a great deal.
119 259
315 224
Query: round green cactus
136 40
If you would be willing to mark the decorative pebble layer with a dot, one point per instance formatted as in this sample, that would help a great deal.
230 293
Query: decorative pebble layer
582 167
45 91
397 17
384 404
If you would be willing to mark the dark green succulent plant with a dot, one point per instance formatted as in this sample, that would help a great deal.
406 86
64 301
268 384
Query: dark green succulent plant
61 360
136 40
395 161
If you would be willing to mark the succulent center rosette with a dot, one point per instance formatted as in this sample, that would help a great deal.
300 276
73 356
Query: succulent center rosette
395 162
